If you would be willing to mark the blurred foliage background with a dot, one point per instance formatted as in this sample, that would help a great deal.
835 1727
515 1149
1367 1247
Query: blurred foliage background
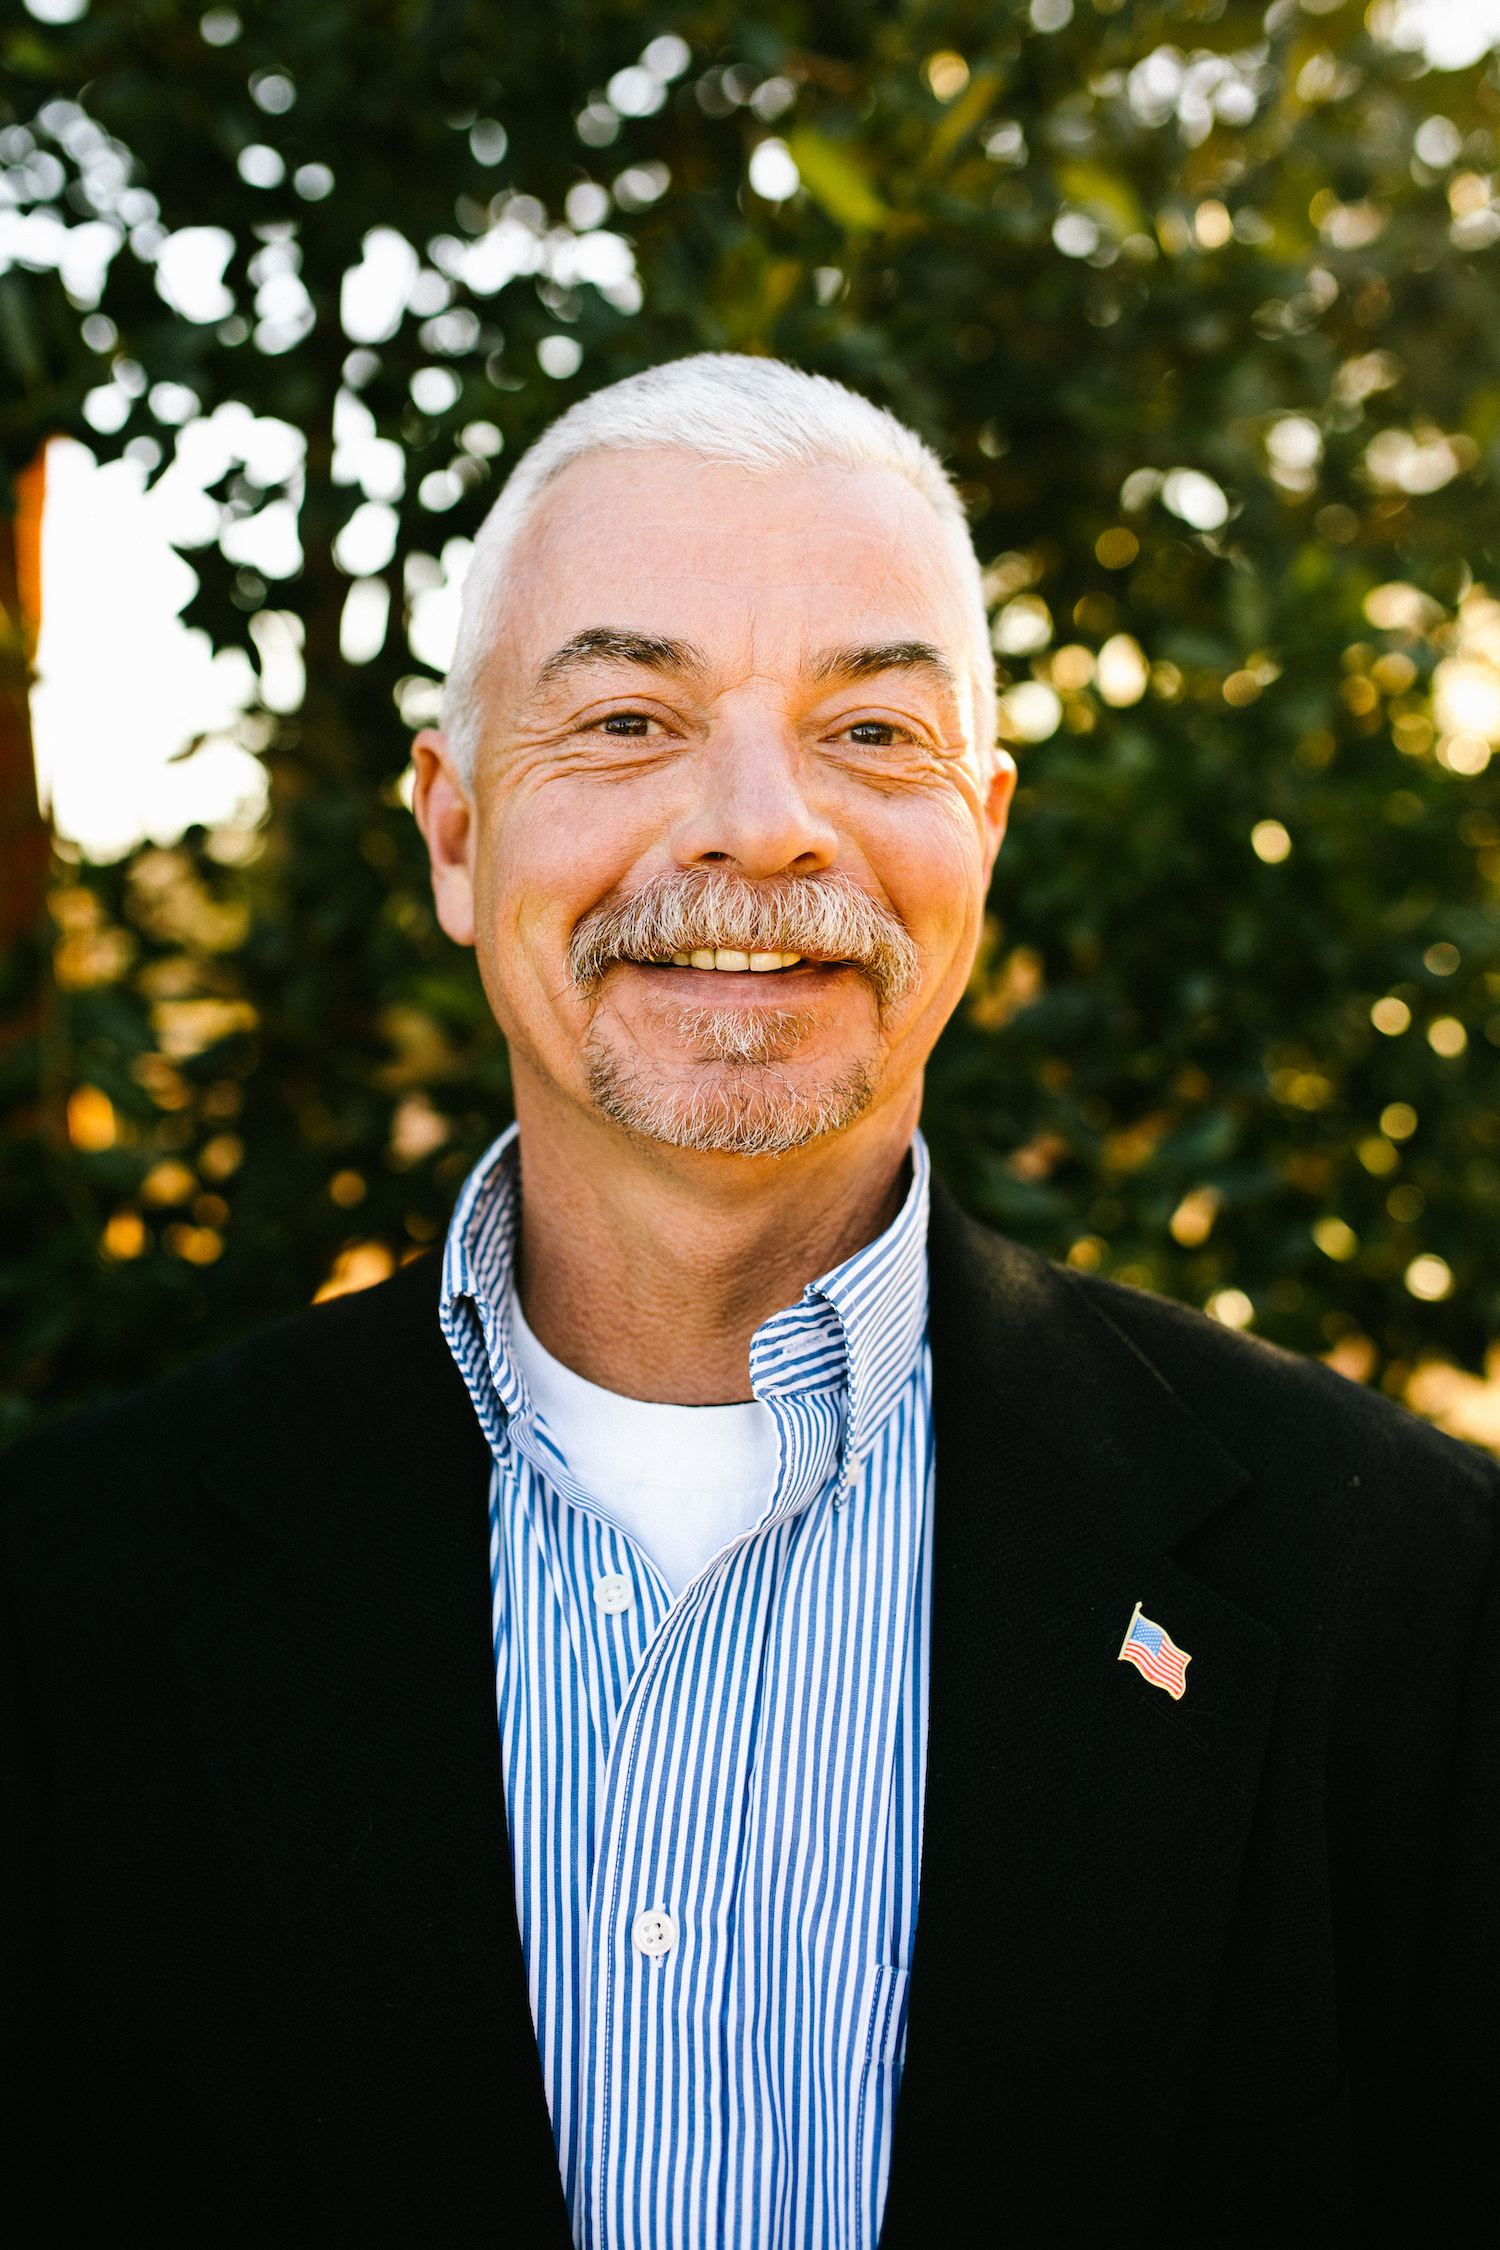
1199 302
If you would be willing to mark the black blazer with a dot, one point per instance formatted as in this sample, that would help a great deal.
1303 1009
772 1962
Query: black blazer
1223 1971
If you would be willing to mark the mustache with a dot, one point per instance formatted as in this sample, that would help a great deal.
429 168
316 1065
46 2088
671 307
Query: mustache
825 916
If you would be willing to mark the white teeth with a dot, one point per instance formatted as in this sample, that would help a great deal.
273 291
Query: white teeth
726 958
681 961
760 962
703 959
790 960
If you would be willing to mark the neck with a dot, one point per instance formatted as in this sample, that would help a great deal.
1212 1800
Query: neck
647 1270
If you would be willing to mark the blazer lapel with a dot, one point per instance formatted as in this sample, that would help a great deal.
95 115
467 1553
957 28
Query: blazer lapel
1083 1831
343 1694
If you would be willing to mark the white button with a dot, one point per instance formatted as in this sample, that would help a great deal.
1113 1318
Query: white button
655 1932
612 1593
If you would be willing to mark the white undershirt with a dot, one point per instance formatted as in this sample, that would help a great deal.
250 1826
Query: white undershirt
681 1481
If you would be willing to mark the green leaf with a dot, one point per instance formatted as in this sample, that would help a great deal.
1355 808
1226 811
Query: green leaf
1104 195
964 115
835 182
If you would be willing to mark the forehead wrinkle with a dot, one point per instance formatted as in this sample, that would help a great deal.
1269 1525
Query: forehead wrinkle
611 644
963 686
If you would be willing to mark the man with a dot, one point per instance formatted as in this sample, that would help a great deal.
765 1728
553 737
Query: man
982 1755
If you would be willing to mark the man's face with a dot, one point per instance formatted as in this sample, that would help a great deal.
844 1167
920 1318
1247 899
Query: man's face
727 716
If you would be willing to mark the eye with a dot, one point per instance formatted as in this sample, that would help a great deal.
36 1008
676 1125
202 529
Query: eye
628 723
875 734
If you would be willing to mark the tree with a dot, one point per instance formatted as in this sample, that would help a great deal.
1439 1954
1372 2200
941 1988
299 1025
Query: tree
1199 307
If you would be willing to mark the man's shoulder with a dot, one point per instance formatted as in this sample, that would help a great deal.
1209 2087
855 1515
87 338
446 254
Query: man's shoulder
289 1390
1276 1410
1299 1430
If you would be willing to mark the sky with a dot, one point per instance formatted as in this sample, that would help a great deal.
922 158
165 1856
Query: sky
124 688
140 729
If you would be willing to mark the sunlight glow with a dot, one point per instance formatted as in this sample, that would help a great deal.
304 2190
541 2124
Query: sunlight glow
124 686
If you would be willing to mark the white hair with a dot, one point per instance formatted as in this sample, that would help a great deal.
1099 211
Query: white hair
755 414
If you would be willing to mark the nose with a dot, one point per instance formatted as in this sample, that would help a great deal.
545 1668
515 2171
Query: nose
753 810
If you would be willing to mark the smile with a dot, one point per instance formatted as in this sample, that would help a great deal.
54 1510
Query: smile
725 959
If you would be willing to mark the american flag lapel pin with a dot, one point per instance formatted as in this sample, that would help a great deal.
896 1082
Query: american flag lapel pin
1155 1655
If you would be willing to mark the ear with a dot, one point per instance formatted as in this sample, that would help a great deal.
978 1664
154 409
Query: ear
445 814
997 806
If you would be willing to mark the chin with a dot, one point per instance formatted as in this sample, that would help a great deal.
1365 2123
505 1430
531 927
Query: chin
729 1109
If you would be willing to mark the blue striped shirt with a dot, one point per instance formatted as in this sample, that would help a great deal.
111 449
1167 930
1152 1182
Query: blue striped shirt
715 1802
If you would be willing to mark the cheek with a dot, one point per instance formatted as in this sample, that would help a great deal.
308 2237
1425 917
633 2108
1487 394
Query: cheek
929 860
548 851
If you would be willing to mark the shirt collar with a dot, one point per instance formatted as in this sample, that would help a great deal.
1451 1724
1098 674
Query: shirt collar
868 1314
478 1259
859 1328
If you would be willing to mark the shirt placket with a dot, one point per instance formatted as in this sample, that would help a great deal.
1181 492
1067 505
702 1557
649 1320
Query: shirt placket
685 1679
577 1553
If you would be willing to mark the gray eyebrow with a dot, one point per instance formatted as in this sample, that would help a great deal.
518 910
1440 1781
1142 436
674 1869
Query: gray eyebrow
884 656
608 644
